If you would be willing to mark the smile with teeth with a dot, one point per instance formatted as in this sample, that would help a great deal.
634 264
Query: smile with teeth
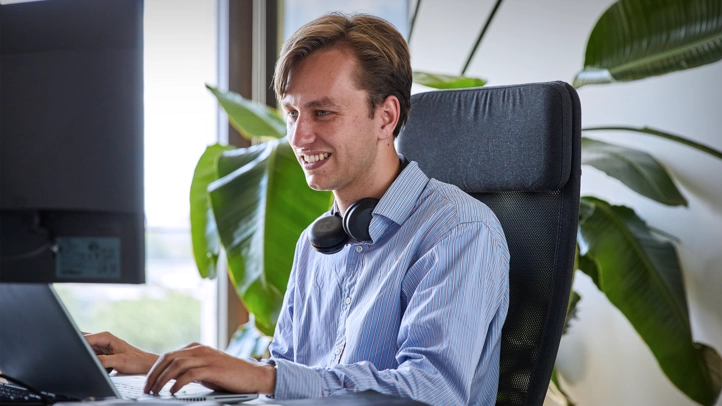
315 158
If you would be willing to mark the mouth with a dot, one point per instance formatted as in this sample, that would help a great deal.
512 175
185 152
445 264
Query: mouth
310 159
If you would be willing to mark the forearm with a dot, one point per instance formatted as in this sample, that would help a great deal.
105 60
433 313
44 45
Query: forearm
412 381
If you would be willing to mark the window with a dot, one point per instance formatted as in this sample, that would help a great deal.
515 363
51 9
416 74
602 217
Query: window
175 307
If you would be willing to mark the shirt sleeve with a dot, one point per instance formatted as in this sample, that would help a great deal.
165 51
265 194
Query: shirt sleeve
282 345
450 330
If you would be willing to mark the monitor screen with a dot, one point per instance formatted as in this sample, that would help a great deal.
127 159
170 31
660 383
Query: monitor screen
71 141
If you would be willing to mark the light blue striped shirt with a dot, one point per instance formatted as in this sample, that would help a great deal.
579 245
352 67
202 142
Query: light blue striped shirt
415 313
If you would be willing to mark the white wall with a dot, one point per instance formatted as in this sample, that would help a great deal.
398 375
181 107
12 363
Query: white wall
602 359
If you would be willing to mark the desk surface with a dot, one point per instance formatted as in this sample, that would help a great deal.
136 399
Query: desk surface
367 398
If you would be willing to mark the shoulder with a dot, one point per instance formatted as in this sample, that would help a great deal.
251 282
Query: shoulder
458 208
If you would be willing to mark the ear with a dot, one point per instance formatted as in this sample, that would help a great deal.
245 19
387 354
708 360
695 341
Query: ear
388 115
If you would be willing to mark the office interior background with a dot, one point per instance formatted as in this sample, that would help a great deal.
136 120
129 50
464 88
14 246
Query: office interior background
602 360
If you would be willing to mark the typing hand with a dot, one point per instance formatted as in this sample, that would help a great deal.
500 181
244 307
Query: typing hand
212 368
119 355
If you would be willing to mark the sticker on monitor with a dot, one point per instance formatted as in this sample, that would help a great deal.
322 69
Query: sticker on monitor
88 257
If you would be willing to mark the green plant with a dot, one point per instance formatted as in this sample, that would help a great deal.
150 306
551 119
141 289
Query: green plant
253 191
255 203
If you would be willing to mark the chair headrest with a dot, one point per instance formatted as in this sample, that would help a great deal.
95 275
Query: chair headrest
490 139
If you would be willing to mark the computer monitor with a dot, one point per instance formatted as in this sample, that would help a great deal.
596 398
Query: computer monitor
71 141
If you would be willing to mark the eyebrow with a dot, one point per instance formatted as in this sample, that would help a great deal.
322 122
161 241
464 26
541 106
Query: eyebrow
325 102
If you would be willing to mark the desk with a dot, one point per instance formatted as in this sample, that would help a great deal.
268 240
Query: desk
368 398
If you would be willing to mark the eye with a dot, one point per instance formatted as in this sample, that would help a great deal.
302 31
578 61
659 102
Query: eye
322 113
292 114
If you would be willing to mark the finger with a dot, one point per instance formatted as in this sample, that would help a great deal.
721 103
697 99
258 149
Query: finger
158 369
185 378
163 362
104 339
191 345
154 372
210 385
109 361
176 368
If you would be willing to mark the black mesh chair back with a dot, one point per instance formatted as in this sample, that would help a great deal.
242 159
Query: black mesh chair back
517 149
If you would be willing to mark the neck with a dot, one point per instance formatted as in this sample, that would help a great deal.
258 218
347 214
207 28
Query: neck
382 175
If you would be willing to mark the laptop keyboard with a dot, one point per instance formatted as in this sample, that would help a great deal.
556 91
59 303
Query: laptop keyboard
133 388
11 394
129 391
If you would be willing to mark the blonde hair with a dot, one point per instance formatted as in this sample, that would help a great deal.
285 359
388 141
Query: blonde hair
384 62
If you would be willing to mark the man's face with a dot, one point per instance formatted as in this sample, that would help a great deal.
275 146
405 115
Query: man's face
328 121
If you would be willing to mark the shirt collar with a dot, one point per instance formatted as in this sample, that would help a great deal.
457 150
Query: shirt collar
400 198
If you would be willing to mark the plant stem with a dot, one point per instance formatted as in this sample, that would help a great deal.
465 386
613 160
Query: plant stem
481 35
413 21
650 131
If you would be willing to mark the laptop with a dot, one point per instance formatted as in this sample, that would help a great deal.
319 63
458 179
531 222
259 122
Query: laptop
41 346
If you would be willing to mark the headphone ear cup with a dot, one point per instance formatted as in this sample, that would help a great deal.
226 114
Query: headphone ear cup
326 235
357 219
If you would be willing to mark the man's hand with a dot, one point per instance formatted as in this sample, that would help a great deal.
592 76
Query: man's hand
119 355
212 368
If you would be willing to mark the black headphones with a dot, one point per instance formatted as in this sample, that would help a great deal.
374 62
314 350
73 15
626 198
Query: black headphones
329 233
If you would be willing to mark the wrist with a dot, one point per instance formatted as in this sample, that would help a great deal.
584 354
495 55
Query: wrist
150 360
268 382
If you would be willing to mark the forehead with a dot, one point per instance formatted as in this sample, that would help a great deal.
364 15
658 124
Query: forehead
325 74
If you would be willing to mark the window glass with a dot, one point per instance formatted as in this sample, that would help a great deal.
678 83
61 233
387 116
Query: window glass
175 307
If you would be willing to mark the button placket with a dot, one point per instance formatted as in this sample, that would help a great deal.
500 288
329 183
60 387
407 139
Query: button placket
354 266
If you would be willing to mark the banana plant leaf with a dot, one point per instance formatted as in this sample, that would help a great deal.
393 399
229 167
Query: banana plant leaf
587 266
571 311
261 204
636 169
662 134
642 277
204 235
248 341
637 39
445 81
249 118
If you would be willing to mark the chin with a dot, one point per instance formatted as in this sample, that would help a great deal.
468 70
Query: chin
318 184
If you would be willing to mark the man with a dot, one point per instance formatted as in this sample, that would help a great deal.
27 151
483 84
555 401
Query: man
414 311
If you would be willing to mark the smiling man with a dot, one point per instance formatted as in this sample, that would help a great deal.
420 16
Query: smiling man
412 302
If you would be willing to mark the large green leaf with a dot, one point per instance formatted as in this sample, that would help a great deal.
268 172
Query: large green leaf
571 311
637 39
262 203
662 134
445 81
249 118
642 277
587 266
204 234
636 169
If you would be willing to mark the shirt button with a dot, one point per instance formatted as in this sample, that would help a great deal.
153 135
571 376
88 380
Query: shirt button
348 300
337 351
359 248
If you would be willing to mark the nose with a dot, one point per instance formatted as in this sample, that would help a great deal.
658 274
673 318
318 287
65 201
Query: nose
301 132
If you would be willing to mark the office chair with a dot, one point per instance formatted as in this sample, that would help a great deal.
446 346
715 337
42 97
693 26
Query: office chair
517 149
